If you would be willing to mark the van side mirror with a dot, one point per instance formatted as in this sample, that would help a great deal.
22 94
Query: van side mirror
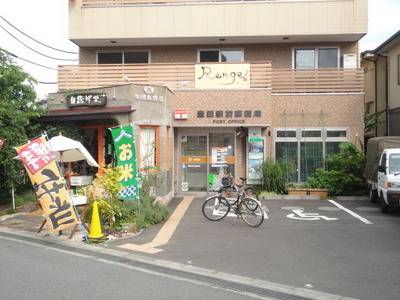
382 169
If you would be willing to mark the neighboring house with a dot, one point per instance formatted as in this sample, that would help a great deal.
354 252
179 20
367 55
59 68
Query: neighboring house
219 85
382 85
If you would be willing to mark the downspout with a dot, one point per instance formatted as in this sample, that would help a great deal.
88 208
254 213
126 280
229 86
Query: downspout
386 93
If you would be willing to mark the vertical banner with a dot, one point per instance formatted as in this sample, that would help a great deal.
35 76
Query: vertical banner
125 150
48 184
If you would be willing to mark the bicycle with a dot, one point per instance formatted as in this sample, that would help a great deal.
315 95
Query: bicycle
249 209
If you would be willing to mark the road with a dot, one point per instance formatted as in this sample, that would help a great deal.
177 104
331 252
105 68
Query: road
39 270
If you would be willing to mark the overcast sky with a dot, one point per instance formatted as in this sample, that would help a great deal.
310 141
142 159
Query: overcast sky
46 21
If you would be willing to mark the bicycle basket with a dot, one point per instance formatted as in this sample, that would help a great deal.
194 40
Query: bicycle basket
227 181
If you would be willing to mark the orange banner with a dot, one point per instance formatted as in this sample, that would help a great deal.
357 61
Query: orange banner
48 184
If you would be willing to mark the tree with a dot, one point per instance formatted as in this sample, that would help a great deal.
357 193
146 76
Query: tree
18 108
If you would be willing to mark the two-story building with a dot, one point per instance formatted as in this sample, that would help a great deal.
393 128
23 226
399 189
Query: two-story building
382 85
216 87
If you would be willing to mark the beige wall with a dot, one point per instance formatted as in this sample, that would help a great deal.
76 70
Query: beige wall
219 19
279 54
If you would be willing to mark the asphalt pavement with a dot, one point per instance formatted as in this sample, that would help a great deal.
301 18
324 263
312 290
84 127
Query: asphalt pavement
299 252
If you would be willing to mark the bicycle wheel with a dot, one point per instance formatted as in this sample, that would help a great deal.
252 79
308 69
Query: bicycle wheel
215 208
251 212
250 192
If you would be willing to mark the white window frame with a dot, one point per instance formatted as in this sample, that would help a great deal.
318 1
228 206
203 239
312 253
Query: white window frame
123 54
219 51
315 56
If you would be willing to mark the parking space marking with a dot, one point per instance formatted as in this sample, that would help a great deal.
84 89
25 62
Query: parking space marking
350 212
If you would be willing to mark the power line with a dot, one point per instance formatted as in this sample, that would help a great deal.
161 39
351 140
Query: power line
35 50
13 55
35 39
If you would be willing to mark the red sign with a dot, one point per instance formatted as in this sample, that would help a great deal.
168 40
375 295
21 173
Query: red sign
35 155
181 114
2 142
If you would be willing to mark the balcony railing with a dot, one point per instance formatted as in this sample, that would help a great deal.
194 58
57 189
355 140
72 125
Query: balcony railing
182 76
177 76
318 81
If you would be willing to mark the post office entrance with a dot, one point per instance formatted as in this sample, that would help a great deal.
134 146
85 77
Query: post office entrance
204 158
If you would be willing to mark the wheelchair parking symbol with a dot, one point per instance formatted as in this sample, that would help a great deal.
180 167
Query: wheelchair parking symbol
299 214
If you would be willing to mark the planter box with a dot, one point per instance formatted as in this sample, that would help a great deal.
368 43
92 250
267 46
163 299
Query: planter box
297 191
313 192
318 192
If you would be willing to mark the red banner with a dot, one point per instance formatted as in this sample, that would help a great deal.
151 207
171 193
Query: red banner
48 183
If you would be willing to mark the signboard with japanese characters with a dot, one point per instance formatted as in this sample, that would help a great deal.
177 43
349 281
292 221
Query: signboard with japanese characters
222 76
86 99
125 151
48 184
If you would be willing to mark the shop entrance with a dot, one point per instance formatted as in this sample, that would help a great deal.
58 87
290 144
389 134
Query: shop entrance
203 158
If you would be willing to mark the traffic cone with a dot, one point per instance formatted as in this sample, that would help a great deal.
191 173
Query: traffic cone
95 235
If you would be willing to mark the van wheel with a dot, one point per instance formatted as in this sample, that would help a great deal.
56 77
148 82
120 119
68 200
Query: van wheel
384 206
373 195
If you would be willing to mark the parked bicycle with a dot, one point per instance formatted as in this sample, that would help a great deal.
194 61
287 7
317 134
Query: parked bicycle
249 209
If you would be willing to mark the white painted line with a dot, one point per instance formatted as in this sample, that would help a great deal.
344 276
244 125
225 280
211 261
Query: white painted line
350 212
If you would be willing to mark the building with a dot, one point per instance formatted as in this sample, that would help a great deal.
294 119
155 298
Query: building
382 85
219 85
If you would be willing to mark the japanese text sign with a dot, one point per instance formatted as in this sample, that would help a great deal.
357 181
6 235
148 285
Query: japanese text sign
125 150
48 184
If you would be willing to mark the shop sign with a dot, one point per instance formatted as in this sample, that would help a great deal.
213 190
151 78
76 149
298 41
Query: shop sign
86 99
147 95
255 134
229 116
222 76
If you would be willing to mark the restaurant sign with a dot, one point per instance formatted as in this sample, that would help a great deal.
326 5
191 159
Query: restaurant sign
87 99
222 76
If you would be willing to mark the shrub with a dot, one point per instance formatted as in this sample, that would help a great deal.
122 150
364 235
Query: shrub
343 174
275 175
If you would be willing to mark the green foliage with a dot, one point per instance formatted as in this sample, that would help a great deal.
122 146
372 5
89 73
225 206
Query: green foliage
275 175
114 211
343 174
371 119
18 110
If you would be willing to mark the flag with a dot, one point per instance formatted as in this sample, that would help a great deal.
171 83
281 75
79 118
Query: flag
125 150
48 184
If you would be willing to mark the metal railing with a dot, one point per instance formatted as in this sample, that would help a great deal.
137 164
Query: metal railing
182 76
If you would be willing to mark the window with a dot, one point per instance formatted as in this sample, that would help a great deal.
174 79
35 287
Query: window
316 58
148 147
135 57
307 148
220 55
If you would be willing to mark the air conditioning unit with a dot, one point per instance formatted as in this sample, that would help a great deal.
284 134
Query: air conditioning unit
349 61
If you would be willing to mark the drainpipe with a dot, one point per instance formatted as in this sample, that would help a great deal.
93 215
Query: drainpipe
386 92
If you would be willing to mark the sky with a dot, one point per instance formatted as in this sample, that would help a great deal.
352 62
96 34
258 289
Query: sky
46 21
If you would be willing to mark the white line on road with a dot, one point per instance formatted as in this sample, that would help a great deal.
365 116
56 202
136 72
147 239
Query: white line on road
350 212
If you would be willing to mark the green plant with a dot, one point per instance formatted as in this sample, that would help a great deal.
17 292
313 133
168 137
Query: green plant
343 174
105 190
275 175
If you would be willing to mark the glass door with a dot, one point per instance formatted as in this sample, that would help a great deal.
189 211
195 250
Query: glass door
221 157
193 163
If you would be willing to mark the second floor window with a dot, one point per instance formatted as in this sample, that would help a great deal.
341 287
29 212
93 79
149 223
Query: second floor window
316 58
220 55
135 57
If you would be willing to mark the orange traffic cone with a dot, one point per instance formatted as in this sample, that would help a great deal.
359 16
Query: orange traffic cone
95 235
